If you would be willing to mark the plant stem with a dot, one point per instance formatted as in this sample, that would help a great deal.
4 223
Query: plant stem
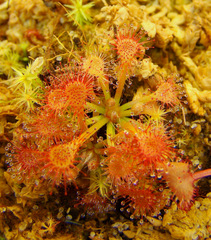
121 83
126 124
110 133
202 174
95 107
130 104
126 113
93 120
93 129
105 87
126 106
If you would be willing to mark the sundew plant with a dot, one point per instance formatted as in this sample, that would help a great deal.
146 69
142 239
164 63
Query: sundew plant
86 135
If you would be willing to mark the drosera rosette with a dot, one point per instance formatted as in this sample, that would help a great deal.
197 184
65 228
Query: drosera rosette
61 134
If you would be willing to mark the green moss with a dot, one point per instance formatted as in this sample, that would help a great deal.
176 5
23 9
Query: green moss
79 12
